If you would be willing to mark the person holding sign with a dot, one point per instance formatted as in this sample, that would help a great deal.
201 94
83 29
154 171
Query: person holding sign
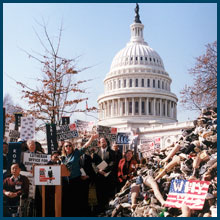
72 184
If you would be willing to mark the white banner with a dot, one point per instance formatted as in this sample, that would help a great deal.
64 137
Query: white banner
84 125
32 158
27 130
47 175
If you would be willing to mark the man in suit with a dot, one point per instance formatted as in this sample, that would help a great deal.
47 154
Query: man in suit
104 177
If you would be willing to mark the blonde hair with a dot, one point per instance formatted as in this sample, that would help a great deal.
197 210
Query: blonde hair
63 148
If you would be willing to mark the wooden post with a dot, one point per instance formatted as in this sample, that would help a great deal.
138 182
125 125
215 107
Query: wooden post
43 201
58 201
58 193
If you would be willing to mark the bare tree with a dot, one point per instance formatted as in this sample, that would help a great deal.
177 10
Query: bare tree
203 93
59 93
11 108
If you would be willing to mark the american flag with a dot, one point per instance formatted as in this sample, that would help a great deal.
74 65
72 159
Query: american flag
189 192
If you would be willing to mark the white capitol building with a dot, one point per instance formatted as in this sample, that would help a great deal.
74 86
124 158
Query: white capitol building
137 90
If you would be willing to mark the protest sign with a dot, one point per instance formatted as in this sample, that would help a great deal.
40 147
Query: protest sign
103 129
27 130
33 158
66 132
18 116
14 154
51 132
148 146
14 134
106 132
47 175
113 130
32 187
65 120
189 192
122 138
157 143
84 125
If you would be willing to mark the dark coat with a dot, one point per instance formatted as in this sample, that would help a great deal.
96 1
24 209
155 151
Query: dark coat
109 159
86 164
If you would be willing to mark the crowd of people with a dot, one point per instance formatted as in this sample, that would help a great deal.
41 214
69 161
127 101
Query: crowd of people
104 168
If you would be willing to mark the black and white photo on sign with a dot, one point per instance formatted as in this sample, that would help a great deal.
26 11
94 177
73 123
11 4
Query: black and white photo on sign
27 130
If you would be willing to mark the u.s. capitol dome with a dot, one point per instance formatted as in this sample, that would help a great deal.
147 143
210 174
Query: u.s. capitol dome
137 88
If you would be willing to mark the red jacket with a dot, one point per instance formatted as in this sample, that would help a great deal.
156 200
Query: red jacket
131 168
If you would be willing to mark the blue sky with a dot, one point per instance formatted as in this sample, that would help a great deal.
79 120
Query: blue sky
96 32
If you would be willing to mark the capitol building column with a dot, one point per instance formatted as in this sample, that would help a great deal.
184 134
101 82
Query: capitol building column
154 106
161 107
147 106
119 110
108 112
166 108
121 106
140 105
133 106
175 111
126 106
104 110
170 109
112 108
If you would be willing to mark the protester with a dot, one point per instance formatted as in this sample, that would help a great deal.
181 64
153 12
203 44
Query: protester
39 147
54 158
118 154
104 177
13 187
32 147
60 146
126 167
71 184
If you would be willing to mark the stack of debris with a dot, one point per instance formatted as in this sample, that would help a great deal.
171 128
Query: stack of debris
192 159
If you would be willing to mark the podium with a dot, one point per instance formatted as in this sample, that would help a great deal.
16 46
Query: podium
58 192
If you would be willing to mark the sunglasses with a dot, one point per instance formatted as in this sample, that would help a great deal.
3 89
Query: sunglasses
68 145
